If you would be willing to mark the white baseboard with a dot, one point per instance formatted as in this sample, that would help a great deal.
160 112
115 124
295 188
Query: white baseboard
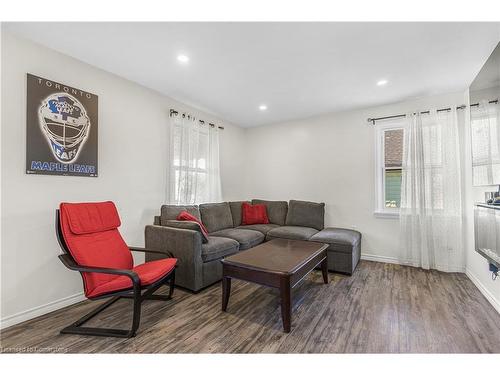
484 291
380 258
40 310
392 260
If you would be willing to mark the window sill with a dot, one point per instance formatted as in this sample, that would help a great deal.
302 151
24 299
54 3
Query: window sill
386 214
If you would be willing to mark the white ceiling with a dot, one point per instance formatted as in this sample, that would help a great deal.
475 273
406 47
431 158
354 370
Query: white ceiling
297 69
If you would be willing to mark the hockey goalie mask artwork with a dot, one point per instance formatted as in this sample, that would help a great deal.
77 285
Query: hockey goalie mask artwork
65 125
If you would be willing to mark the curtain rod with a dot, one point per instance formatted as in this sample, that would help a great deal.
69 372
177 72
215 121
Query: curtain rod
202 122
463 106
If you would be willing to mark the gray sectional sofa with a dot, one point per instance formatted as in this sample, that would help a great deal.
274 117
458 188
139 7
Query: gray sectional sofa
199 260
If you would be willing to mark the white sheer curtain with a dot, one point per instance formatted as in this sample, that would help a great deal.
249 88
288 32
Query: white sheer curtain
485 132
431 198
194 161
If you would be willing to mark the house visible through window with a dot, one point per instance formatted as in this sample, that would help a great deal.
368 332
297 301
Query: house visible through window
389 149
393 157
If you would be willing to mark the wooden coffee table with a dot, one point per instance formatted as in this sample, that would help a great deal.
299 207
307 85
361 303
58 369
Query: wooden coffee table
278 264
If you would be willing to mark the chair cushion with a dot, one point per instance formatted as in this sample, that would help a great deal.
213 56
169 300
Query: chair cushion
170 212
217 248
306 214
100 249
262 228
190 225
216 216
246 238
276 210
340 239
291 233
84 218
236 212
253 214
148 273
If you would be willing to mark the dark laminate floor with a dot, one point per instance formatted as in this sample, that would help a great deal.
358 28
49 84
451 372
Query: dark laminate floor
381 308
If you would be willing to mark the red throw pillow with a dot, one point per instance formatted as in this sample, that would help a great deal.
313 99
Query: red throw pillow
186 216
253 214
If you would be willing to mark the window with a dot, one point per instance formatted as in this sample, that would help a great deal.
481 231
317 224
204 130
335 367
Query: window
389 159
194 169
189 170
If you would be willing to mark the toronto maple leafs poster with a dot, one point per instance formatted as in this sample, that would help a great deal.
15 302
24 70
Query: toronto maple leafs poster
61 129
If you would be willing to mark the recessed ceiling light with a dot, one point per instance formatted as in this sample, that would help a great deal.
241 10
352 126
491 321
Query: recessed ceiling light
262 107
382 82
183 58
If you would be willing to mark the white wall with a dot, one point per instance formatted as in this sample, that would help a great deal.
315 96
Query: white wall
331 159
133 159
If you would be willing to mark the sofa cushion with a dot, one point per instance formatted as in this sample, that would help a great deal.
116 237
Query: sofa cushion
262 228
246 238
190 225
306 214
170 212
216 216
253 214
340 239
291 233
217 248
236 212
276 210
186 216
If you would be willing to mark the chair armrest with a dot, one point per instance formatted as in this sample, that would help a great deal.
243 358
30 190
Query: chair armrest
144 250
72 265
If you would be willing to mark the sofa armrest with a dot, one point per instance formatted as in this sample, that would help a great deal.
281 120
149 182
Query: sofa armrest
174 242
183 244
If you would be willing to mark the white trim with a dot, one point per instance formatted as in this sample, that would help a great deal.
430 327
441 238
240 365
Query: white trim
484 291
40 310
380 258
392 260
386 214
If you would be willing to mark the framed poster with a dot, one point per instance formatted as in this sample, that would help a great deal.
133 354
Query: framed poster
61 136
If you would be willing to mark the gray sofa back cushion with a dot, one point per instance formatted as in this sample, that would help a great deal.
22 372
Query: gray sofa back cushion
170 212
306 214
216 216
236 212
276 210
191 225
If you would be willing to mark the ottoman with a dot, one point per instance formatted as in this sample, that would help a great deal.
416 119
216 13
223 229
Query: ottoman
344 250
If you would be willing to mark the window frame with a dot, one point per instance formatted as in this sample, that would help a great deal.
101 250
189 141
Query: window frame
381 127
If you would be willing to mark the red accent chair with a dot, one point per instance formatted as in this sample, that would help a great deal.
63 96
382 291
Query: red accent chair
92 245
